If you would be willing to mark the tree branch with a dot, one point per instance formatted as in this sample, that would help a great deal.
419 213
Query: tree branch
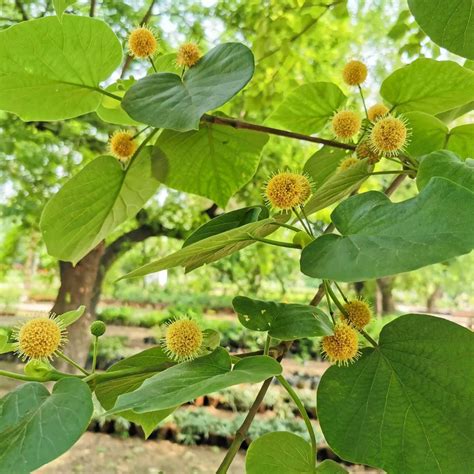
274 131
92 8
21 9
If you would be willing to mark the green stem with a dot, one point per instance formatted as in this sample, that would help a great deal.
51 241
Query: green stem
153 64
73 363
107 93
94 354
289 226
389 172
308 231
331 312
304 414
303 212
14 375
141 146
363 101
341 292
275 242
141 131
268 342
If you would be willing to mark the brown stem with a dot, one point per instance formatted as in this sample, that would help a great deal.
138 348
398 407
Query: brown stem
92 8
274 131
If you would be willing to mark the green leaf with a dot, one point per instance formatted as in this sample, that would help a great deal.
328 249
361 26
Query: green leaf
450 24
404 403
329 466
323 164
110 110
214 162
428 133
87 208
71 317
189 380
227 221
6 346
166 63
461 140
380 238
213 248
429 86
60 6
107 391
166 100
279 452
446 165
282 321
56 66
308 108
37 427
337 186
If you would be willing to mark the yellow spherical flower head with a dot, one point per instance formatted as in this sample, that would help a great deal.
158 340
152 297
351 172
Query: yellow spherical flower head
343 346
122 145
377 111
346 124
348 163
183 339
363 151
286 190
39 338
142 42
354 73
188 55
389 135
358 313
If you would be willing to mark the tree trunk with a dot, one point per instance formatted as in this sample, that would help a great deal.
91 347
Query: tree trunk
77 288
384 300
433 298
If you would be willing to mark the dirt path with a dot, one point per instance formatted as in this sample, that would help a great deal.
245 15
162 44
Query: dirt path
97 453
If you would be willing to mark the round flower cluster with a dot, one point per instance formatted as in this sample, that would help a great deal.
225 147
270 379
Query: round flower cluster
122 145
343 346
358 313
183 339
188 55
142 42
346 124
287 190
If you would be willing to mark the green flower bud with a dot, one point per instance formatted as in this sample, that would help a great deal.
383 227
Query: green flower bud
98 328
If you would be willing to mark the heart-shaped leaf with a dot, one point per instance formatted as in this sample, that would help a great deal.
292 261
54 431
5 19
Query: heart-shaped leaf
212 248
461 140
279 453
446 165
165 100
37 427
189 380
323 164
87 208
108 390
214 162
428 133
309 108
429 86
380 238
60 6
56 66
402 404
281 320
452 29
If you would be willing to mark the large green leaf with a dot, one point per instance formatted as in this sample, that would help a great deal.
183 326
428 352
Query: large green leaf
56 66
449 23
213 248
165 100
110 110
37 427
189 380
461 140
88 207
337 186
154 360
227 221
380 238
446 165
281 320
214 161
279 453
406 406
308 108
428 133
429 86
323 164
